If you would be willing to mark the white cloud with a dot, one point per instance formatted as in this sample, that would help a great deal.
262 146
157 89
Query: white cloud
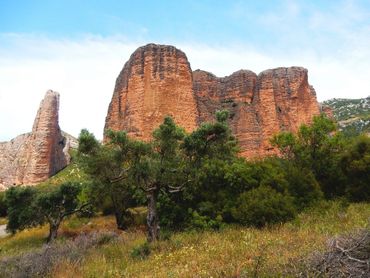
84 72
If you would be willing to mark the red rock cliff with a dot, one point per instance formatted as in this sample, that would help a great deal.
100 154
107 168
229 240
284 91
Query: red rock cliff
33 157
157 81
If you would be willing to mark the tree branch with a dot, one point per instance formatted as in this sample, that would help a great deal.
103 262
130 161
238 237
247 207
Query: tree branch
75 210
120 177
174 189
345 252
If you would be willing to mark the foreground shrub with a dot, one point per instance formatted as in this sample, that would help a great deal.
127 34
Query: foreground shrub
262 206
141 251
202 222
303 186
39 263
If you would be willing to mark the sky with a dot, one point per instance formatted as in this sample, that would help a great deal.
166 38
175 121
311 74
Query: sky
78 48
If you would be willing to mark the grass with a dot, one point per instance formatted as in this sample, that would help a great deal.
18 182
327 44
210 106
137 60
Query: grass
232 252
34 238
3 220
71 173
24 241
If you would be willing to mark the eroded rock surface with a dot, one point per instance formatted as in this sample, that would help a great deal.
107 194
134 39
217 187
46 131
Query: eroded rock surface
33 157
157 81
260 106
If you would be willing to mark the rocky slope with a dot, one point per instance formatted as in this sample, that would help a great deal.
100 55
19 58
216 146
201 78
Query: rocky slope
157 81
33 157
353 115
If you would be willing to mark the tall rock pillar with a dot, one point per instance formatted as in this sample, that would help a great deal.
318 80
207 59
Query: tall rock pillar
154 83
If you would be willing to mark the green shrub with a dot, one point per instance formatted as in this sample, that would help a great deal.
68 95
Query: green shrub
262 206
303 186
202 222
173 211
141 251
355 164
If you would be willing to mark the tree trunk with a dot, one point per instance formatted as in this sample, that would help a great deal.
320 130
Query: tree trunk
118 213
152 216
53 231
120 221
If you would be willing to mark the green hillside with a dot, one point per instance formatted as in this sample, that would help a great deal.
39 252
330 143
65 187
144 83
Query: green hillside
353 115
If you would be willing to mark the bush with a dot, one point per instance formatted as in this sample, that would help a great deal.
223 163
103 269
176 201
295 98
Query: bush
262 206
202 222
141 251
303 187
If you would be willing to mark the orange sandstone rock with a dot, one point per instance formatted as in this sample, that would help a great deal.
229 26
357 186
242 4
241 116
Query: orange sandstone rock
33 157
157 81
154 83
284 100
327 110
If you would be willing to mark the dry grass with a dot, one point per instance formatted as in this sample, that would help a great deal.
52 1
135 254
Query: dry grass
22 242
34 238
3 220
40 263
347 256
233 252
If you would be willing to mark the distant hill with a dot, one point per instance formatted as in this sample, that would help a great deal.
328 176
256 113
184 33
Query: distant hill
353 115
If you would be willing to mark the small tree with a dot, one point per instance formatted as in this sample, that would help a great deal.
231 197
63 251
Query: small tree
210 150
161 168
54 206
22 212
109 168
29 207
316 147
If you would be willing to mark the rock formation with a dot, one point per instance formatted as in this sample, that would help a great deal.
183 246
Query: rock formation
327 110
157 81
33 157
260 106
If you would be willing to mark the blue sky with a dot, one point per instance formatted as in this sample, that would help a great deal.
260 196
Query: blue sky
264 24
79 47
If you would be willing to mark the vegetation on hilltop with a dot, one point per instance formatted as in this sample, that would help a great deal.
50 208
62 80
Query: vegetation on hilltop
353 115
